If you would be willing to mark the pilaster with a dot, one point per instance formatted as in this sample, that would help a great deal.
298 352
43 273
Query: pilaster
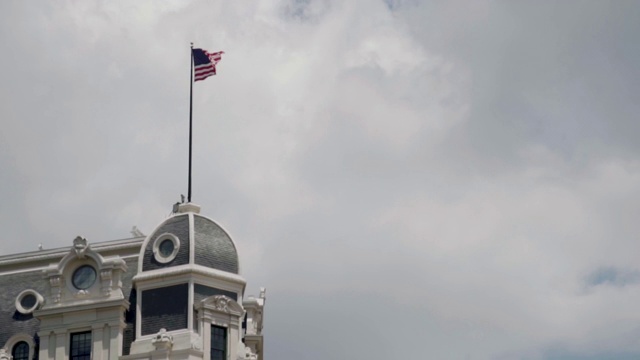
61 344
97 335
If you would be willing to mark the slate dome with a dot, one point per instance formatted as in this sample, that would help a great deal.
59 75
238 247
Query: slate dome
210 246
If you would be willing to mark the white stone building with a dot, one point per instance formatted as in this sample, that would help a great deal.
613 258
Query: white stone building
175 294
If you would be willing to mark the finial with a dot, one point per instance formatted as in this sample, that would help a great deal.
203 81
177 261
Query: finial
136 232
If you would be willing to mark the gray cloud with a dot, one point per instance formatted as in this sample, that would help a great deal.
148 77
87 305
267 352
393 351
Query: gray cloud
407 178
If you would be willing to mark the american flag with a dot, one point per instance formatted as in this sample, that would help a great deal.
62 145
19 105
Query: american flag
204 63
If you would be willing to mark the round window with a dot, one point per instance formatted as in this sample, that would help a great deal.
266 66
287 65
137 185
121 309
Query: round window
84 277
28 301
166 247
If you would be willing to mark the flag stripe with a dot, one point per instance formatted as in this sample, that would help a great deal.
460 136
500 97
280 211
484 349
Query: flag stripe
203 76
203 69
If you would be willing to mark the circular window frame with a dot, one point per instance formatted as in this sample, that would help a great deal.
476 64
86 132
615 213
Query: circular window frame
157 254
26 311
75 271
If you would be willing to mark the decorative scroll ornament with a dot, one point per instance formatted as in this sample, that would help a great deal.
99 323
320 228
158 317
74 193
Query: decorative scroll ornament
80 246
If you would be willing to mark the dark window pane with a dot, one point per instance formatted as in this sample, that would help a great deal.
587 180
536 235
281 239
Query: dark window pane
217 355
28 301
158 312
20 351
81 346
166 248
84 277
218 343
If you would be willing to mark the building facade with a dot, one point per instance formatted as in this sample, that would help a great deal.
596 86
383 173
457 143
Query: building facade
174 294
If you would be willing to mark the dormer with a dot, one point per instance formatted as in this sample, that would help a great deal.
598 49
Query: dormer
84 275
83 311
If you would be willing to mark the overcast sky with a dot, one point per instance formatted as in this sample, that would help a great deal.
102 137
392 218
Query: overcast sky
446 180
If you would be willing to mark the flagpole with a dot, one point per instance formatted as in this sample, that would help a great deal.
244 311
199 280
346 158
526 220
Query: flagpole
190 118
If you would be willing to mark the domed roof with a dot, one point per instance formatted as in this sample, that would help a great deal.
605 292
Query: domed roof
213 246
189 238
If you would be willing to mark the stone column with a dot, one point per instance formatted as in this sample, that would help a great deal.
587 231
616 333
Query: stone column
44 346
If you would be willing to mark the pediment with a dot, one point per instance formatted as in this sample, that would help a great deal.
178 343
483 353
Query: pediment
221 303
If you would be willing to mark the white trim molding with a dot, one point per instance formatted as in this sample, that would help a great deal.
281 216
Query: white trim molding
38 303
15 339
157 251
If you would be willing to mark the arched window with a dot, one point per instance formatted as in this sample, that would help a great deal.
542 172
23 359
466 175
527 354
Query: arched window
20 351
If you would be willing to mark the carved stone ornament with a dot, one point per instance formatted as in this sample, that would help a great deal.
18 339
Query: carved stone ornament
80 246
56 290
254 320
82 294
162 340
222 303
4 355
196 342
106 277
249 353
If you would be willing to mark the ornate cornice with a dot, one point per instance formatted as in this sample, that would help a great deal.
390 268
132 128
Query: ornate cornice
35 256
188 269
